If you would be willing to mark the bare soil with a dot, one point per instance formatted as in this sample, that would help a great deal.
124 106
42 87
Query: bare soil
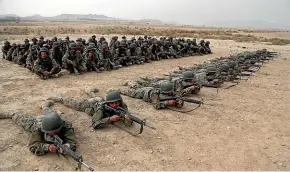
242 128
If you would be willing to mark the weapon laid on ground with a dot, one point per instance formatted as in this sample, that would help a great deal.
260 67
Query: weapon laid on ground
184 99
122 113
66 150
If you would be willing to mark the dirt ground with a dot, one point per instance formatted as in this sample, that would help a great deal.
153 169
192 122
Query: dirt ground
242 128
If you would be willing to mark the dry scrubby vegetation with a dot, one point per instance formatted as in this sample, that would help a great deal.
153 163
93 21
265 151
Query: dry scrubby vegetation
51 29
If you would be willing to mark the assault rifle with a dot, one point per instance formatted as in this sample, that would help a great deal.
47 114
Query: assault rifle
66 150
122 113
183 99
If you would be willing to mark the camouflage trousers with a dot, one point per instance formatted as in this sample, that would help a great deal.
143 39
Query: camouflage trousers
144 93
86 105
29 123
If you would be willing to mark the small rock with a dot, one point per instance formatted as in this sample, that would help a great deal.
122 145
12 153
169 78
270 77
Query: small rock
242 119
283 145
114 142
273 161
151 152
114 158
280 164
159 137
189 158
10 145
265 147
36 169
88 153
277 154
20 132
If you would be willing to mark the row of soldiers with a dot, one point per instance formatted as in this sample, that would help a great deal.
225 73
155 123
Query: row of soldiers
189 80
160 92
46 58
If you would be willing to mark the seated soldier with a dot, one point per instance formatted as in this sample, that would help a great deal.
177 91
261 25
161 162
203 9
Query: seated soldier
45 66
73 60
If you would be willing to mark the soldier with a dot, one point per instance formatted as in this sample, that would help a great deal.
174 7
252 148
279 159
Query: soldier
56 53
43 129
5 49
114 44
45 66
10 52
132 53
108 61
73 60
22 55
94 40
122 56
96 107
189 83
31 58
92 59
34 42
155 51
159 97
207 48
27 45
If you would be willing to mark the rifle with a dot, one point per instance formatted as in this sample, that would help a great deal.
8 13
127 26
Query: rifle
66 150
183 99
122 113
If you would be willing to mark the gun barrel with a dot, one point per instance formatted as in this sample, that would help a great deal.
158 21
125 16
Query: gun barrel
191 100
90 168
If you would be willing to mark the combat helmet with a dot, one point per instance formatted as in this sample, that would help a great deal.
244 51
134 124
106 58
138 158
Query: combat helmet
72 45
34 47
43 49
166 87
51 123
187 75
113 96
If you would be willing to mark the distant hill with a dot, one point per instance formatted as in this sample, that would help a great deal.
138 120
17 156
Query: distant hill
96 18
74 17
9 17
250 24
69 17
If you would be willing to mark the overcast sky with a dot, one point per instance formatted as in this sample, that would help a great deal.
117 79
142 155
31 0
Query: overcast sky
181 11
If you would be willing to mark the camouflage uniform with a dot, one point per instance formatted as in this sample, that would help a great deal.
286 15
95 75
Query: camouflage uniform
22 55
92 59
156 96
93 106
46 64
40 141
5 49
73 60
56 53
31 58
10 52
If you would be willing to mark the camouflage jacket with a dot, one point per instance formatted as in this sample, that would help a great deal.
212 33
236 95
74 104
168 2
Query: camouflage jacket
40 141
76 58
50 65
102 115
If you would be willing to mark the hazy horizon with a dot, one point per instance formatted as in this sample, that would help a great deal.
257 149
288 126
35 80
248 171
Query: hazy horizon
182 11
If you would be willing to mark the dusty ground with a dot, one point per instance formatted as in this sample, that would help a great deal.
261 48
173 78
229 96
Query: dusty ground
243 128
